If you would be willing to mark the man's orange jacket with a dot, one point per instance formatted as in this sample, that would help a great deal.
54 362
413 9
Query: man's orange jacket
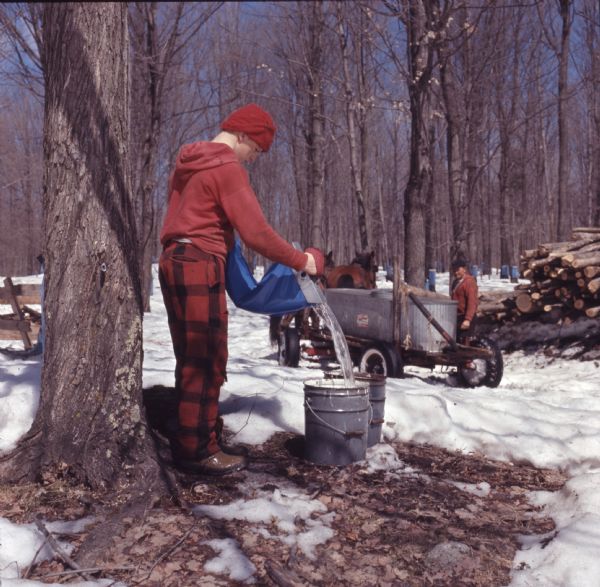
465 293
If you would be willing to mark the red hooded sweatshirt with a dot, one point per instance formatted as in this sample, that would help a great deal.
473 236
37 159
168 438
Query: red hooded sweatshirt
210 196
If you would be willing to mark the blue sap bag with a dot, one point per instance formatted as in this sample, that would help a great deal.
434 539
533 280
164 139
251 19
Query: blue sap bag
277 293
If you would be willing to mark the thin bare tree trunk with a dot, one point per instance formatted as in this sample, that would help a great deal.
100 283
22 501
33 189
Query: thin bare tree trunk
316 142
457 179
356 146
148 73
420 52
564 224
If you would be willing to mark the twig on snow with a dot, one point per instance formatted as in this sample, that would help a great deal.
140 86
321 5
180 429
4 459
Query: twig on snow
60 552
30 567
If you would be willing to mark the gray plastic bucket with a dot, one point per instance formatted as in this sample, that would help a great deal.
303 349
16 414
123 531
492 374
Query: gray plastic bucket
377 400
336 421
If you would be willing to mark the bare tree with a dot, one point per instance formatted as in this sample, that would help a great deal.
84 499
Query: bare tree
160 39
356 106
559 43
21 23
423 28
591 27
316 136
301 47
566 17
465 54
20 153
89 424
349 142
20 184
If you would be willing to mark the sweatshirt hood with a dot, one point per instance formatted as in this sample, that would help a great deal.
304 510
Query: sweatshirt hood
203 155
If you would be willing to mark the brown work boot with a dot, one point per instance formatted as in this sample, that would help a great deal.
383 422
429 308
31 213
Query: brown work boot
229 449
233 449
219 463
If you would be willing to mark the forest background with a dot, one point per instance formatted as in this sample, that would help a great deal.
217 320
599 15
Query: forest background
412 128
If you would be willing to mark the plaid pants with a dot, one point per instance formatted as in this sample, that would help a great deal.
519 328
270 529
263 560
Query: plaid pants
193 288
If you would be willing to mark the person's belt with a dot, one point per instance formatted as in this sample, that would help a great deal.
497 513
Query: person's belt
187 241
174 241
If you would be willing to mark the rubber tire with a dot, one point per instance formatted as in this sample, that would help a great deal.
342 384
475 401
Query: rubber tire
288 351
494 367
381 359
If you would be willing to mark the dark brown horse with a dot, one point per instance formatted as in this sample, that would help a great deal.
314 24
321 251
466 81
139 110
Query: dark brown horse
360 274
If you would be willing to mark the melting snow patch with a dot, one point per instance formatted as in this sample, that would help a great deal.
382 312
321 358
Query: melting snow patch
481 489
303 521
383 457
231 561
568 556
19 550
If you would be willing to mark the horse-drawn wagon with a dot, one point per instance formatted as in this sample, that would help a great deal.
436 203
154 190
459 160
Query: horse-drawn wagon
387 329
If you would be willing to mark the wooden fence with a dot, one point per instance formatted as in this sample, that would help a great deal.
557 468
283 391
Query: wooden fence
24 322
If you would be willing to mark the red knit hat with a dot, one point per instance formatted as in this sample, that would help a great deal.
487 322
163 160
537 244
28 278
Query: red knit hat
255 122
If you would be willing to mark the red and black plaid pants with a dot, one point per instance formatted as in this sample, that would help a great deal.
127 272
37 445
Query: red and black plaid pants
193 288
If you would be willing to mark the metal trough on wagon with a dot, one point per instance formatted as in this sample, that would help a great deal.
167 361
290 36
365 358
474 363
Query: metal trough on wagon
387 329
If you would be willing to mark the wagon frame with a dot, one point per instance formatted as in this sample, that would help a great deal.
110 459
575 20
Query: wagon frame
479 363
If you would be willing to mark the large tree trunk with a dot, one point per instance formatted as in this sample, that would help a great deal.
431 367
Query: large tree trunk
89 422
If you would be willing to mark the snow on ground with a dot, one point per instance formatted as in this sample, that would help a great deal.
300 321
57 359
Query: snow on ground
545 411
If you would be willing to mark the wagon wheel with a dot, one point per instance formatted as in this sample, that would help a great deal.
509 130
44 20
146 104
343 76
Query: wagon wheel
381 359
486 372
288 352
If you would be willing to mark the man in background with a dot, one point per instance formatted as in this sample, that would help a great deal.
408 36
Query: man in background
464 291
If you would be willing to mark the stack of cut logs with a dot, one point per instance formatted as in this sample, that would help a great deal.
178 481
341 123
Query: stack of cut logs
565 282
564 276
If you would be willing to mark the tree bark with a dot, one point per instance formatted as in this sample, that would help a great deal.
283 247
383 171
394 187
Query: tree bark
563 215
148 96
352 121
316 140
420 50
457 178
89 424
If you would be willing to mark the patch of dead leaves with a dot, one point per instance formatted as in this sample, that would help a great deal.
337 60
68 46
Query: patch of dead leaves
387 525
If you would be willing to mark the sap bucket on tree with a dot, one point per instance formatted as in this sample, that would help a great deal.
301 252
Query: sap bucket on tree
376 385
336 421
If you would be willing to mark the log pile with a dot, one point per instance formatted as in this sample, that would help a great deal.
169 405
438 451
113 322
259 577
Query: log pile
565 277
564 283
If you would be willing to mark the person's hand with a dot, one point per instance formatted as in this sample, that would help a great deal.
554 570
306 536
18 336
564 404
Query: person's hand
465 325
316 262
311 266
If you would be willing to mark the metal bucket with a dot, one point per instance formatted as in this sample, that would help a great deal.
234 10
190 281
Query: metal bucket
336 420
376 399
